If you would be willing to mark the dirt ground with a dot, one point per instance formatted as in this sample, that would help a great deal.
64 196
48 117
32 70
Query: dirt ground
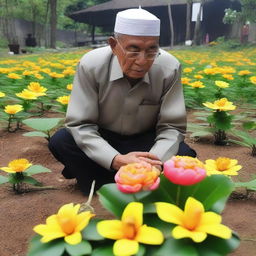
20 213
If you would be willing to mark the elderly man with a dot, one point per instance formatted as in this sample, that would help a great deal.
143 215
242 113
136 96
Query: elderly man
126 106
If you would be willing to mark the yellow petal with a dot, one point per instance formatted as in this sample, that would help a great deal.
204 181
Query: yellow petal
48 232
134 210
125 247
210 218
218 230
112 229
169 212
7 169
149 235
83 220
74 238
180 232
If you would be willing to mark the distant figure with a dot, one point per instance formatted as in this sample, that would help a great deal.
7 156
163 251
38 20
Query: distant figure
30 41
245 33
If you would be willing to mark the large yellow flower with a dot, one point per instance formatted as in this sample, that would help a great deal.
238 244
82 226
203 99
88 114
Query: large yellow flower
221 84
17 165
244 73
2 94
27 95
37 89
129 231
228 76
193 222
14 76
222 165
222 105
66 223
13 109
197 84
63 99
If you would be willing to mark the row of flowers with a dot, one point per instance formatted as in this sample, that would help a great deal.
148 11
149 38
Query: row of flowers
176 212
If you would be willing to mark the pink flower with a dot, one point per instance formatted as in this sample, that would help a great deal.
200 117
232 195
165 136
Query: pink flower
132 178
184 170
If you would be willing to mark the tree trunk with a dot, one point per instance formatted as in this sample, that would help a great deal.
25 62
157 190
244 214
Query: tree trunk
171 25
188 20
197 32
53 23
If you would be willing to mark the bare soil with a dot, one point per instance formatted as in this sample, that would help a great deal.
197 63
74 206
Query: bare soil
20 213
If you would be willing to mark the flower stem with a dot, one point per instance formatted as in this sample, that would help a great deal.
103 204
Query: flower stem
178 195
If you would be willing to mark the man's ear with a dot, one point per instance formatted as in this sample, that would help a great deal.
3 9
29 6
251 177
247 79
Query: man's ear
112 42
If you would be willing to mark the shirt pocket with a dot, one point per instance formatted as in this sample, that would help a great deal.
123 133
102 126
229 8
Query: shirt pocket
147 116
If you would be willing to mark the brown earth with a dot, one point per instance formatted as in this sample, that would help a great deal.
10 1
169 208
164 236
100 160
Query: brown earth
20 213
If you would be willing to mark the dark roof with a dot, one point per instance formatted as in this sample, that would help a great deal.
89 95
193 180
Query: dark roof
102 14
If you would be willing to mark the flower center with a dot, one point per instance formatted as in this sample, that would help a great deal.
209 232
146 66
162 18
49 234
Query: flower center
67 225
222 163
129 228
222 102
192 220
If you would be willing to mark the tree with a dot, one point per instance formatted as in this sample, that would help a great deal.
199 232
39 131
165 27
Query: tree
188 19
53 23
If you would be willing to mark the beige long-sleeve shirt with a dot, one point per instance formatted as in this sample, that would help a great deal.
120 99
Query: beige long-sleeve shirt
102 97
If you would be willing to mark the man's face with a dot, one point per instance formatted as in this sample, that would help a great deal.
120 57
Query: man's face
135 54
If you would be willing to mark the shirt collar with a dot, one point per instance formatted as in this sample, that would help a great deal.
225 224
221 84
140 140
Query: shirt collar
117 73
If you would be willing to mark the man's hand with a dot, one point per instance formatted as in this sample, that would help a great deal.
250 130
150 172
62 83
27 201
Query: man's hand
135 157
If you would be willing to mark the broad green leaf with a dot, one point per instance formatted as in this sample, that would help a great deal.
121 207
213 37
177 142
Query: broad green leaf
32 181
113 199
83 248
3 179
200 134
42 124
249 185
90 232
35 169
35 134
55 247
249 125
103 251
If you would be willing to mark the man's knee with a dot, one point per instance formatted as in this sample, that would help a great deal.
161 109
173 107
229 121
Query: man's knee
58 140
186 150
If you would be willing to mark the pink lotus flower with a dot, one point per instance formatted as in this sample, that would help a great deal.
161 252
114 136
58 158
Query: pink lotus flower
184 170
132 178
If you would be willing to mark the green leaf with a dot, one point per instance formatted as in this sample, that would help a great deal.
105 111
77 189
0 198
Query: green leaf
32 181
141 251
15 178
42 124
249 185
90 232
83 248
113 199
35 169
173 247
55 247
103 251
35 134
249 125
3 179
200 134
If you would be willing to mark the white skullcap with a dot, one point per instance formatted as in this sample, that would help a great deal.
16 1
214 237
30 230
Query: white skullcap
137 22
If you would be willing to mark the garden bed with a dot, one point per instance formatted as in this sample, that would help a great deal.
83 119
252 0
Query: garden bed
20 213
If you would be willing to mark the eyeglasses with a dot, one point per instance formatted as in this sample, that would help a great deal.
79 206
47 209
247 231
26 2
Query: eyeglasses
150 55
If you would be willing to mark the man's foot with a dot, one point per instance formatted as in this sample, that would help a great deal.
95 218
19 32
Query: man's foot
67 174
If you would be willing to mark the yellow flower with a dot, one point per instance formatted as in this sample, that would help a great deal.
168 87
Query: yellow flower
197 84
187 70
129 231
27 73
37 89
14 76
17 165
193 222
70 87
222 165
68 72
2 94
228 76
38 76
185 80
13 109
198 76
27 95
66 223
221 105
63 99
56 75
253 79
244 73
222 84
210 71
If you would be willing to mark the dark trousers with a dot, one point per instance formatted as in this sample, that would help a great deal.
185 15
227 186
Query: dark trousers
78 165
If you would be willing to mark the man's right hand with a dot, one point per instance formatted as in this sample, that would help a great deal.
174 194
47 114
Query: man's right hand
135 157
